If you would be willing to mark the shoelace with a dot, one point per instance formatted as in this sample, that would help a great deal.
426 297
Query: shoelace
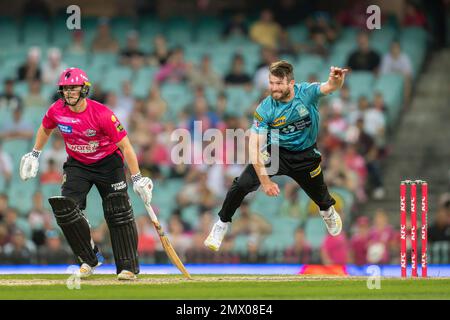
330 221
218 230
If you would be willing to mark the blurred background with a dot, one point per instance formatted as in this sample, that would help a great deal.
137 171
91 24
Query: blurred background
160 65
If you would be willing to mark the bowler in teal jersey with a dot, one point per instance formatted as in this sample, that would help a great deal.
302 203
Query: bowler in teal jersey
289 120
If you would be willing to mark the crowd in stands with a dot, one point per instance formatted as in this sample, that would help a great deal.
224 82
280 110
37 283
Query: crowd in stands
353 140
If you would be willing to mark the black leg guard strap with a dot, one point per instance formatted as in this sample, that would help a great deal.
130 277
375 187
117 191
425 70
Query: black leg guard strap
122 228
75 228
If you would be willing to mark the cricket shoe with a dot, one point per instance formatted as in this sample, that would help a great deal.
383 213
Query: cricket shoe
126 275
332 221
86 270
216 235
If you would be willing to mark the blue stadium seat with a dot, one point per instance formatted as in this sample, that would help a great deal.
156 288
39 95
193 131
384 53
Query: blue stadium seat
361 84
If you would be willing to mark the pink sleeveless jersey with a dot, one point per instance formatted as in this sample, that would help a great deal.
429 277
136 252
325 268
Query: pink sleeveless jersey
90 135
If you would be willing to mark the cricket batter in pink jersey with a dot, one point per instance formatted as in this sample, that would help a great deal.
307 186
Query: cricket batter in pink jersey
97 145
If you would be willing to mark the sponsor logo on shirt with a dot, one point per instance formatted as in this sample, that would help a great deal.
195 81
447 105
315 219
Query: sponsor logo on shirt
257 116
302 111
119 126
279 121
297 126
119 186
90 133
64 128
113 118
315 172
84 148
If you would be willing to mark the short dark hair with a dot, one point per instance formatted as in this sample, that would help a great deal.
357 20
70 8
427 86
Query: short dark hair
281 69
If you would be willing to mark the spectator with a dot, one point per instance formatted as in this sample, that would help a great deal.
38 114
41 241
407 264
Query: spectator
209 119
366 146
360 241
132 55
52 175
4 205
375 121
104 41
285 45
152 156
19 250
318 45
30 70
205 76
344 102
122 112
77 46
125 98
54 252
19 128
98 94
414 17
237 75
364 58
249 223
397 62
175 70
39 219
161 53
4 237
383 239
10 221
34 98
335 250
179 239
8 99
266 31
6 166
320 25
439 230
300 251
290 12
53 68
237 26
339 175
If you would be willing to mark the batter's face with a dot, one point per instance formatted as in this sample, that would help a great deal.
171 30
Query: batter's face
71 94
280 89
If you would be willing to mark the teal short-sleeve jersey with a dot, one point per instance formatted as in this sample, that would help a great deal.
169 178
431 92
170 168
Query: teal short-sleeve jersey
294 125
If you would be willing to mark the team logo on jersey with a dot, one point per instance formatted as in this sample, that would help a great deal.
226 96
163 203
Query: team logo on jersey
257 116
302 111
90 133
113 118
279 121
64 128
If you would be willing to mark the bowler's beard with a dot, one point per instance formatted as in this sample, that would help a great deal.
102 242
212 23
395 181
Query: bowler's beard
284 95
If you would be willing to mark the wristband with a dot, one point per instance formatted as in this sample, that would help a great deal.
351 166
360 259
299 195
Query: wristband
135 178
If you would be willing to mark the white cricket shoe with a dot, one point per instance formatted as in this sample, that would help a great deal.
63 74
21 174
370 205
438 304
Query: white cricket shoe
86 270
216 235
332 221
126 275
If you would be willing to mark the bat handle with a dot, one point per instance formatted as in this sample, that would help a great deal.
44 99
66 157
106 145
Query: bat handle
151 213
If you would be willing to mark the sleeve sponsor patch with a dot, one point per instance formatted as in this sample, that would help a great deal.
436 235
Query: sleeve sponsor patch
257 116
315 172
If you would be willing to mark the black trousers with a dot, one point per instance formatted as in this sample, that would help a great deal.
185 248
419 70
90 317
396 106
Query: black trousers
302 166
108 175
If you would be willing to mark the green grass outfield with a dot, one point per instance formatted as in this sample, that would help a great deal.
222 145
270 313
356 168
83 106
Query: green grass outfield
271 287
